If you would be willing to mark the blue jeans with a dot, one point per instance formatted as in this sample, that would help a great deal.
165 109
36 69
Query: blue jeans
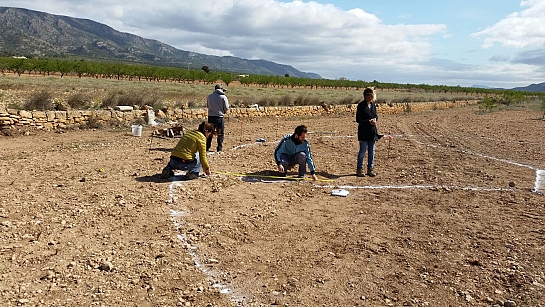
299 158
193 166
364 145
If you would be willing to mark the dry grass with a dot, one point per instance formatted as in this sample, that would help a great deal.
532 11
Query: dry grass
96 93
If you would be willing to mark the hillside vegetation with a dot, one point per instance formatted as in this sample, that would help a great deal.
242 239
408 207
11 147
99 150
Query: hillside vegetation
45 83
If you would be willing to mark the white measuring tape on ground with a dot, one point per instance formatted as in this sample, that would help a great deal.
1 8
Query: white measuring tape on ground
539 185
212 275
540 182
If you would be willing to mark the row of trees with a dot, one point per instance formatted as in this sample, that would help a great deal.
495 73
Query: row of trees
110 70
118 70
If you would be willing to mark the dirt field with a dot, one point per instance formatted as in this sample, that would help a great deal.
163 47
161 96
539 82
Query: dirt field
452 219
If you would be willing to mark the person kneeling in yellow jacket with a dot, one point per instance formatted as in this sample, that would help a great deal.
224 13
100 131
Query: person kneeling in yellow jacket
190 153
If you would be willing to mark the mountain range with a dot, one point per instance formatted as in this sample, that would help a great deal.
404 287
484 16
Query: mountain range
540 87
31 33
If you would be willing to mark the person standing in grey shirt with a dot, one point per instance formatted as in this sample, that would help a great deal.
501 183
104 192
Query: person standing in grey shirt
218 105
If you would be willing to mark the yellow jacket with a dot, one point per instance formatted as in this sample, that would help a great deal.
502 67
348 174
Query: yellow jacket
189 144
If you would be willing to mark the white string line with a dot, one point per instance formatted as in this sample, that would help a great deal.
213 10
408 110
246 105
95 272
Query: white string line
540 182
379 187
437 135
177 219
401 187
225 289
539 173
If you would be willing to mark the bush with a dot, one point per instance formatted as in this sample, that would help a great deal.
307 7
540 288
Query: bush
40 100
349 100
488 103
265 102
133 99
110 100
79 101
192 104
285 100
307 101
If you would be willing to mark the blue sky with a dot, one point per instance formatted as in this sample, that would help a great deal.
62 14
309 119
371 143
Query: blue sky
480 42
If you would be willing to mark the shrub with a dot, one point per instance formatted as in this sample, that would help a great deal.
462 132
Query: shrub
113 99
40 100
381 101
79 101
192 104
92 123
307 101
285 100
110 100
14 105
313 101
265 102
488 103
348 100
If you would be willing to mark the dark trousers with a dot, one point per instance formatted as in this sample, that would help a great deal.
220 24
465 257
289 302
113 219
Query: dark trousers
299 159
220 125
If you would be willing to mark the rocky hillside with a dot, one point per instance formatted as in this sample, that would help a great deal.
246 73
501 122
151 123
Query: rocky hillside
38 34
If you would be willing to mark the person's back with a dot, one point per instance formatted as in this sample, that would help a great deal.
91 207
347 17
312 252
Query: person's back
189 145
190 153
218 105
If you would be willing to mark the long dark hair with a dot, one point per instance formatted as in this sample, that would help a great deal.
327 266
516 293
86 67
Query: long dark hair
206 127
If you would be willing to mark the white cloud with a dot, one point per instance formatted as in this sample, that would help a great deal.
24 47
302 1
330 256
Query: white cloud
520 29
310 36
320 38
293 32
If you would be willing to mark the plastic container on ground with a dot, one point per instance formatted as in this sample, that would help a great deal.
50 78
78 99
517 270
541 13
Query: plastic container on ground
137 130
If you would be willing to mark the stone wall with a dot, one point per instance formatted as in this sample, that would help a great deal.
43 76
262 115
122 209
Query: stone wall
50 120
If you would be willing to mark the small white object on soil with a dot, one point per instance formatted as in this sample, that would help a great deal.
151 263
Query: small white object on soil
340 192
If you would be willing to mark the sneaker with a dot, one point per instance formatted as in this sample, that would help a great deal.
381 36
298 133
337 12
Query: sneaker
191 176
167 172
300 176
370 173
359 173
284 174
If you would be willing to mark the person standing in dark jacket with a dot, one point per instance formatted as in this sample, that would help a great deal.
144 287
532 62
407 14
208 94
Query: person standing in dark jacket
366 117
218 105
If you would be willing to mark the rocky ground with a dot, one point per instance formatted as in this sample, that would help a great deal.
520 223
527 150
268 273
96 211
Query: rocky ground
452 219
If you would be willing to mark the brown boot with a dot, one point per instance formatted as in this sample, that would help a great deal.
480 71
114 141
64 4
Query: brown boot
370 173
359 173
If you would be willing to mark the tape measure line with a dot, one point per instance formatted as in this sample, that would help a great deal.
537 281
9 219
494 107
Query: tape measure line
272 177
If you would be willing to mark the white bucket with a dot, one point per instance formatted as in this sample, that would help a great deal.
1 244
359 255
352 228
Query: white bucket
137 130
